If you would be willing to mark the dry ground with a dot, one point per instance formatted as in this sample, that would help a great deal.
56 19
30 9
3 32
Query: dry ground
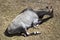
9 9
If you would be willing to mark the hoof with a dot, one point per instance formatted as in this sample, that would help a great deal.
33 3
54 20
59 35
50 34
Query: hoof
35 33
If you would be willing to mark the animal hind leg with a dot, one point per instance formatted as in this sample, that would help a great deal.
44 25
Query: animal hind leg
29 34
25 33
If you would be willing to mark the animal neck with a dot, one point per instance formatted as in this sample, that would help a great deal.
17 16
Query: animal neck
41 13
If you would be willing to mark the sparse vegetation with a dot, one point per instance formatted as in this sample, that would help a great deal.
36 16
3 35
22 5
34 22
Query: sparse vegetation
9 9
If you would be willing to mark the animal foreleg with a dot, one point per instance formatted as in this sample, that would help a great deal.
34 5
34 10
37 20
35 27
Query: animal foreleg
36 23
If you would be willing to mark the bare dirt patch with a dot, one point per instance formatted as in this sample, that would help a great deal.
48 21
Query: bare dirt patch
9 9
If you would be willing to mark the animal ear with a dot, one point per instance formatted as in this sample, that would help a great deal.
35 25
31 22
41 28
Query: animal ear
47 7
50 7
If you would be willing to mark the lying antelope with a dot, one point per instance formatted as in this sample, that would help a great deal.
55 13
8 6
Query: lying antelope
28 18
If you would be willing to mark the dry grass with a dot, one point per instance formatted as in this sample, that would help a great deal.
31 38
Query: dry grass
9 9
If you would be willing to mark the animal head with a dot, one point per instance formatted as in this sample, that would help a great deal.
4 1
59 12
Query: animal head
45 11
